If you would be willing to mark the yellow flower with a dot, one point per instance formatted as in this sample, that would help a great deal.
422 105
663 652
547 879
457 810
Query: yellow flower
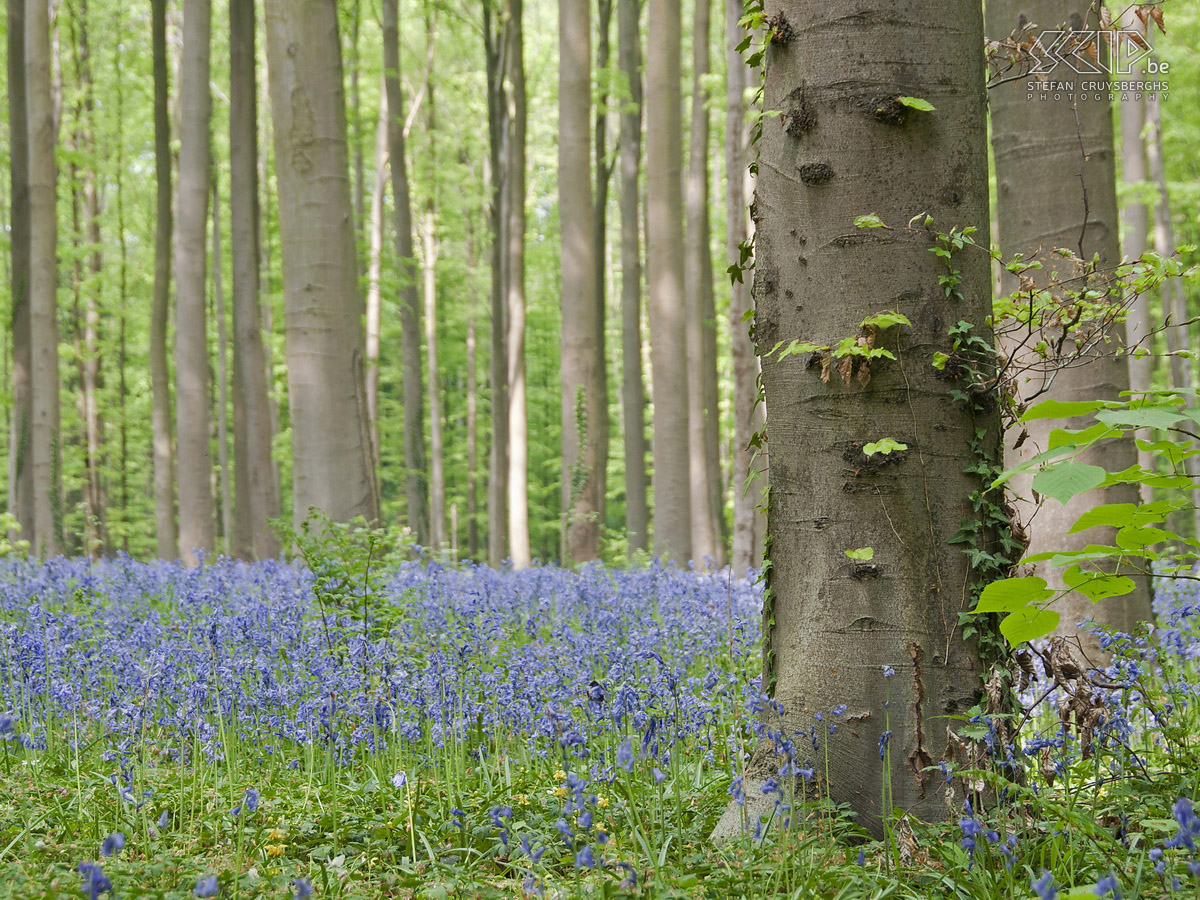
560 791
275 849
602 802
559 773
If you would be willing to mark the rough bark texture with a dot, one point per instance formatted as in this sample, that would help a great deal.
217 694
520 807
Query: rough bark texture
1135 227
513 269
20 470
664 265
633 391
221 412
1056 188
160 373
256 488
326 390
416 486
374 271
192 416
429 255
580 355
830 622
748 473
703 459
602 172
43 282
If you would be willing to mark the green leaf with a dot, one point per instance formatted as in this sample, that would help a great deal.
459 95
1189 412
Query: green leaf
1143 417
1081 437
916 103
864 553
1010 594
1133 537
796 347
868 221
884 446
886 319
1064 480
1097 585
939 360
1061 409
1117 515
1028 624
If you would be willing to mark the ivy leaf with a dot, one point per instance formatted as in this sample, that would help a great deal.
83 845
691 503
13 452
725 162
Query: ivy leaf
939 360
884 446
886 319
1061 409
1028 624
866 554
1097 585
1009 594
916 103
1064 480
1117 515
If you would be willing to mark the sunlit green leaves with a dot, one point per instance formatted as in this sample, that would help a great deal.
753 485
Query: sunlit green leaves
1064 480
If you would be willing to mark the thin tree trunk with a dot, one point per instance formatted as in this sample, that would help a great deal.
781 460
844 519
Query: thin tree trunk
192 415
831 625
356 120
222 411
664 258
494 46
517 427
1135 225
703 455
633 392
331 445
603 167
43 281
20 469
581 403
123 308
747 411
472 402
160 373
1056 188
256 487
375 271
429 256
416 489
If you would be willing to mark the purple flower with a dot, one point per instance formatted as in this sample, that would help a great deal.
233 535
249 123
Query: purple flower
888 671
1108 885
164 819
206 886
303 888
585 858
113 844
884 740
1044 887
625 756
399 780
251 800
95 882
659 775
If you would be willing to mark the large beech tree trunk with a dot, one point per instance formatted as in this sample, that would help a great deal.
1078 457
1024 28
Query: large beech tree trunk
160 373
20 470
331 447
43 282
1056 188
633 391
602 171
843 148
581 407
704 470
664 265
416 486
192 416
256 488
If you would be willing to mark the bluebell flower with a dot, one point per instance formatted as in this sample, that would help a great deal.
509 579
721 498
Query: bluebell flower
399 780
95 882
1108 885
585 858
1189 825
206 886
164 819
625 756
303 889
884 740
251 800
888 671
113 844
659 775
1044 887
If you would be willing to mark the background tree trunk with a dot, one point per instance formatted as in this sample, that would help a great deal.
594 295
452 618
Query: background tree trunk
633 391
429 256
192 419
160 373
831 623
416 491
664 264
703 460
375 271
326 389
581 407
43 282
603 167
20 469
517 427
1056 187
256 488
225 489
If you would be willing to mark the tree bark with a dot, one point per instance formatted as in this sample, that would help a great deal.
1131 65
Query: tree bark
331 452
416 485
429 257
374 272
602 167
43 282
20 469
224 488
256 487
516 430
160 373
704 472
192 416
832 623
581 404
633 391
1056 188
664 257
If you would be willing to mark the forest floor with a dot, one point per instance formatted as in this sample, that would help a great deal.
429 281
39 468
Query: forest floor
241 730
